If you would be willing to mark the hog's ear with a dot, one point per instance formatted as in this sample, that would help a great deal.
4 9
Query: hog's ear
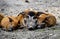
1 16
20 13
10 20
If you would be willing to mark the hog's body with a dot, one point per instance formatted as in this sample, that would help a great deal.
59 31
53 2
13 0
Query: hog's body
9 23
46 20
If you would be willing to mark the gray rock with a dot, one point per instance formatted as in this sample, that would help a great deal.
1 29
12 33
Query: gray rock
14 7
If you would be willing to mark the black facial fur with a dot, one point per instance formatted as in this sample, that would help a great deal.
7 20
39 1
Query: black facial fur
31 13
26 1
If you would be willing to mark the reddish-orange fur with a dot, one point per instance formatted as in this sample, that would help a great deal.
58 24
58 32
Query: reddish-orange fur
1 17
48 18
6 24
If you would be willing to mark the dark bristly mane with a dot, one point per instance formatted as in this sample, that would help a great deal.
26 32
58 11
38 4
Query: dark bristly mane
39 13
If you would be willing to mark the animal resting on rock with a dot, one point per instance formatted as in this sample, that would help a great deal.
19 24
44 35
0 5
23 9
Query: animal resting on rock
30 19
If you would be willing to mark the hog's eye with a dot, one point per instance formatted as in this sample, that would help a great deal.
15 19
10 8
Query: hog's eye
27 16
34 17
36 21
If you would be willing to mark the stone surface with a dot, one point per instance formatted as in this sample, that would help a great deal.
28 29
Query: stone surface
14 7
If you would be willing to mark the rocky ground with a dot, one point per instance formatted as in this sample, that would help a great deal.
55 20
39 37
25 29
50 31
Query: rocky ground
14 7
